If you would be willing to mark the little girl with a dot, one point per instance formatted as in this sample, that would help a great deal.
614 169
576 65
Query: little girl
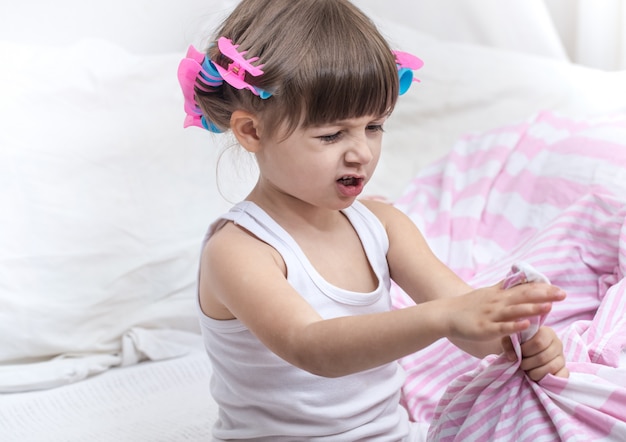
294 281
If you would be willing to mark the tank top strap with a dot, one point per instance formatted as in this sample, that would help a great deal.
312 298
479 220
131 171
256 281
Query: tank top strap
368 227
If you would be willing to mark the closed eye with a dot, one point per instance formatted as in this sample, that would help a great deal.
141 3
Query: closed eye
375 128
331 138
334 137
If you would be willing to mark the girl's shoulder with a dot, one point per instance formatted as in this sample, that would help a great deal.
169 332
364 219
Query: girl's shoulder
384 210
230 245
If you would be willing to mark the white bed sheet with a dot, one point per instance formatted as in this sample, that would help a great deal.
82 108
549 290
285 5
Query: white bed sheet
153 401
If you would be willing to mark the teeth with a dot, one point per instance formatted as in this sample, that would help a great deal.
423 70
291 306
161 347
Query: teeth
348 181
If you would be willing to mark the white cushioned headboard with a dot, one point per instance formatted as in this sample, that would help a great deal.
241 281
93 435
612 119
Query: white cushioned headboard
144 26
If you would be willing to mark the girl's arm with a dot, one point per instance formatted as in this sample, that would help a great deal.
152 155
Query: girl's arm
416 269
424 277
244 277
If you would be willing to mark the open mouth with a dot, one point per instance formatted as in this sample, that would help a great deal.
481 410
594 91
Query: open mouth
350 181
350 186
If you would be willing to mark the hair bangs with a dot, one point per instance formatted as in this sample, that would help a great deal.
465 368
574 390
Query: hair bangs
342 68
354 78
355 87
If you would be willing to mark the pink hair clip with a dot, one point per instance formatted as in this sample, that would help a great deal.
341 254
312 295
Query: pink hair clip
236 72
191 68
407 63
196 70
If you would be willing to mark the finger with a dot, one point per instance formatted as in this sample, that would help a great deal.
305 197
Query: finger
543 339
556 367
500 329
536 292
510 327
541 349
563 372
508 349
507 344
540 359
523 311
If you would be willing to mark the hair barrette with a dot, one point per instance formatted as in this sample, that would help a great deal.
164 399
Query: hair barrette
407 63
197 70
193 65
236 71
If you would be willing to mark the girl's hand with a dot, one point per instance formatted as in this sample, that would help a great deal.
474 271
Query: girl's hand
541 355
493 312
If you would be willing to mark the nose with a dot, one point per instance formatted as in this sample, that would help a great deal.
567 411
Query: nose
360 151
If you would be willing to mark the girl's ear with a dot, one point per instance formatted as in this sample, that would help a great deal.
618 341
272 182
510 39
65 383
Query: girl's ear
245 126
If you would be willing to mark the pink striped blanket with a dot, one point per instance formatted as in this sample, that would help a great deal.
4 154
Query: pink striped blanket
551 192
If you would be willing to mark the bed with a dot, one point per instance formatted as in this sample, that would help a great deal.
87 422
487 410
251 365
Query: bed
498 156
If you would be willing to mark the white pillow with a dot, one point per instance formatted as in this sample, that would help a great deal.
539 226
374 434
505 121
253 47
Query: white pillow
467 88
104 201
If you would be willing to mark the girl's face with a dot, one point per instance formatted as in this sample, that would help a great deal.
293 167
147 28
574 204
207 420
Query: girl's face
324 166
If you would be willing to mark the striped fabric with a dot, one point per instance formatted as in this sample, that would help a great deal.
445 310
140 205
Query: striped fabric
550 191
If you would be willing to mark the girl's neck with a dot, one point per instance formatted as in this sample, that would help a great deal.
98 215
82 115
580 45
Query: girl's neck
294 214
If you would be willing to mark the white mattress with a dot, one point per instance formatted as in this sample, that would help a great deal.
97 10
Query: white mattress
153 401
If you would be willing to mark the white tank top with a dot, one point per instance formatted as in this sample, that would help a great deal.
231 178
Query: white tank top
262 397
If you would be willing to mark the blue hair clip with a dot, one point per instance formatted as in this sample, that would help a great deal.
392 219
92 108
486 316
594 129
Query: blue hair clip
405 75
407 63
210 75
208 125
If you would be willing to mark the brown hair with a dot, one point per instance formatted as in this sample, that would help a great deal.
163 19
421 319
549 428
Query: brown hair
323 61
